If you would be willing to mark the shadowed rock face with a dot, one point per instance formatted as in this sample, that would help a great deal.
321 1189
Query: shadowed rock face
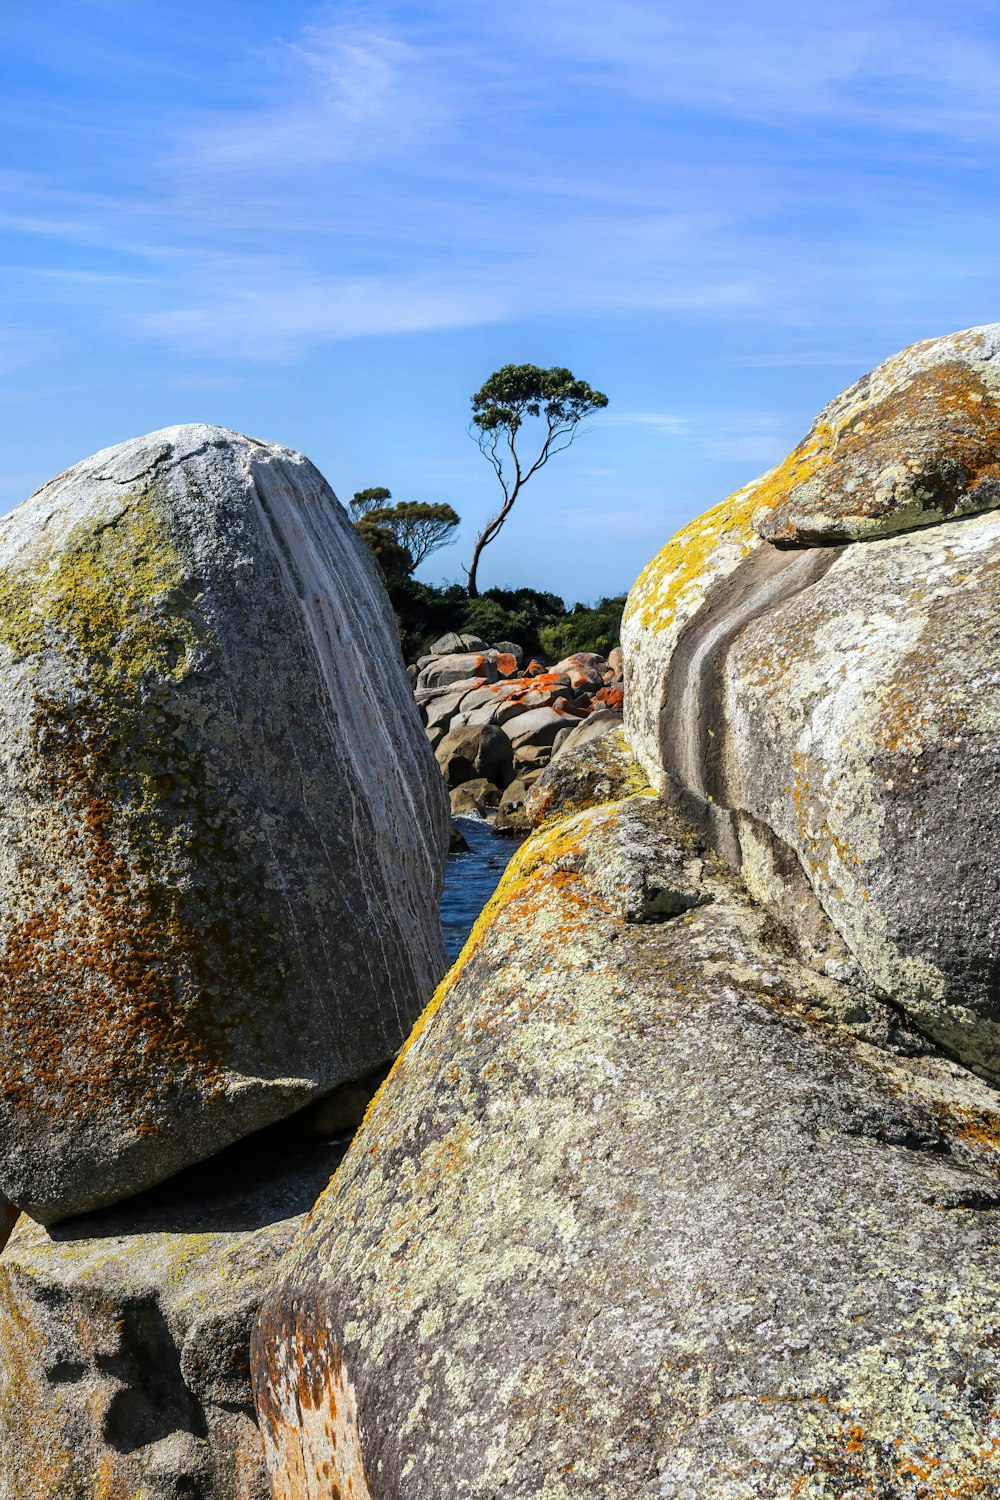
125 1334
646 1208
222 830
828 714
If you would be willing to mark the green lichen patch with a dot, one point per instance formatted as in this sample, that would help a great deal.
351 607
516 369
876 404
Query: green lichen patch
131 916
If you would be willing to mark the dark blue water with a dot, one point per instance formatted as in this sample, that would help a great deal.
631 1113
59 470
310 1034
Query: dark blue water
470 880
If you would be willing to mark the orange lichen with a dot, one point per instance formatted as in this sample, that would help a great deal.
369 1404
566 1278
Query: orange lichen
131 916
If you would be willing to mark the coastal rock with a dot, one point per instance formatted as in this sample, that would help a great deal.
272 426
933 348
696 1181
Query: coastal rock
535 730
646 1207
511 817
223 832
484 748
862 718
453 644
829 715
910 444
598 767
445 671
476 796
125 1334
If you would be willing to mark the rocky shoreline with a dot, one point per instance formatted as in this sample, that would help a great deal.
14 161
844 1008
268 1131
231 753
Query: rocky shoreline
683 1181
495 721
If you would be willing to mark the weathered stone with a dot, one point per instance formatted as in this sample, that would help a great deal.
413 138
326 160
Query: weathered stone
645 1208
440 711
585 669
602 721
511 817
222 844
509 648
862 719
829 714
444 671
125 1334
477 796
597 767
457 842
912 443
484 747
536 729
453 644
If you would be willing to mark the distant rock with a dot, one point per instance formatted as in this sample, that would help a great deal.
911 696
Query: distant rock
511 817
510 648
125 1335
453 644
222 829
484 748
476 796
445 671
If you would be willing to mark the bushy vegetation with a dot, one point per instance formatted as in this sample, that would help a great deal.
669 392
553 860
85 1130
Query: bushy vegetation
538 622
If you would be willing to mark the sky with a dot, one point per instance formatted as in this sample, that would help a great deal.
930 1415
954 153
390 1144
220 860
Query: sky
328 224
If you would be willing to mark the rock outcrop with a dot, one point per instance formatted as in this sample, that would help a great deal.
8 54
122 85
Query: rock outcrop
687 1183
647 1207
531 709
222 827
830 712
124 1336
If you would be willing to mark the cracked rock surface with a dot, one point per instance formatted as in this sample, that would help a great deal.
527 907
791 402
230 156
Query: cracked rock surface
125 1333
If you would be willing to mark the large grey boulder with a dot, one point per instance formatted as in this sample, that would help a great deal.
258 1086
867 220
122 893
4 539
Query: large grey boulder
829 714
125 1334
595 768
222 833
648 1207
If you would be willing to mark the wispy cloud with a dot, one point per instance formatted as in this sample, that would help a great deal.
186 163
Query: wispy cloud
669 424
863 63
343 94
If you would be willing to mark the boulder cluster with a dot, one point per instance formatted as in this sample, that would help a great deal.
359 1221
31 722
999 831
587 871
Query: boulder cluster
495 721
685 1184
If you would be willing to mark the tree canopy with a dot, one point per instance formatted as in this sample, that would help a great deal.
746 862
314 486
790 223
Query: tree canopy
499 408
401 536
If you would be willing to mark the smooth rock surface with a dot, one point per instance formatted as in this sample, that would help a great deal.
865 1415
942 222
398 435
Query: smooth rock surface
913 443
125 1335
829 714
646 1208
484 747
223 833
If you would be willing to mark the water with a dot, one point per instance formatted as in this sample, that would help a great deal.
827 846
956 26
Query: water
470 880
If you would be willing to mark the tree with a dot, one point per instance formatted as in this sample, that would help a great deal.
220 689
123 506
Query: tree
498 411
401 536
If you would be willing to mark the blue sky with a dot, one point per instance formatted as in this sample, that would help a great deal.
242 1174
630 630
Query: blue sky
327 224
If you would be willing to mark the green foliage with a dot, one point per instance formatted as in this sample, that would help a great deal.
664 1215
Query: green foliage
597 629
365 501
538 622
556 398
381 541
401 536
516 391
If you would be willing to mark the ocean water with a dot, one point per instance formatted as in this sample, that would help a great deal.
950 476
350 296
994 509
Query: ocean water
470 880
